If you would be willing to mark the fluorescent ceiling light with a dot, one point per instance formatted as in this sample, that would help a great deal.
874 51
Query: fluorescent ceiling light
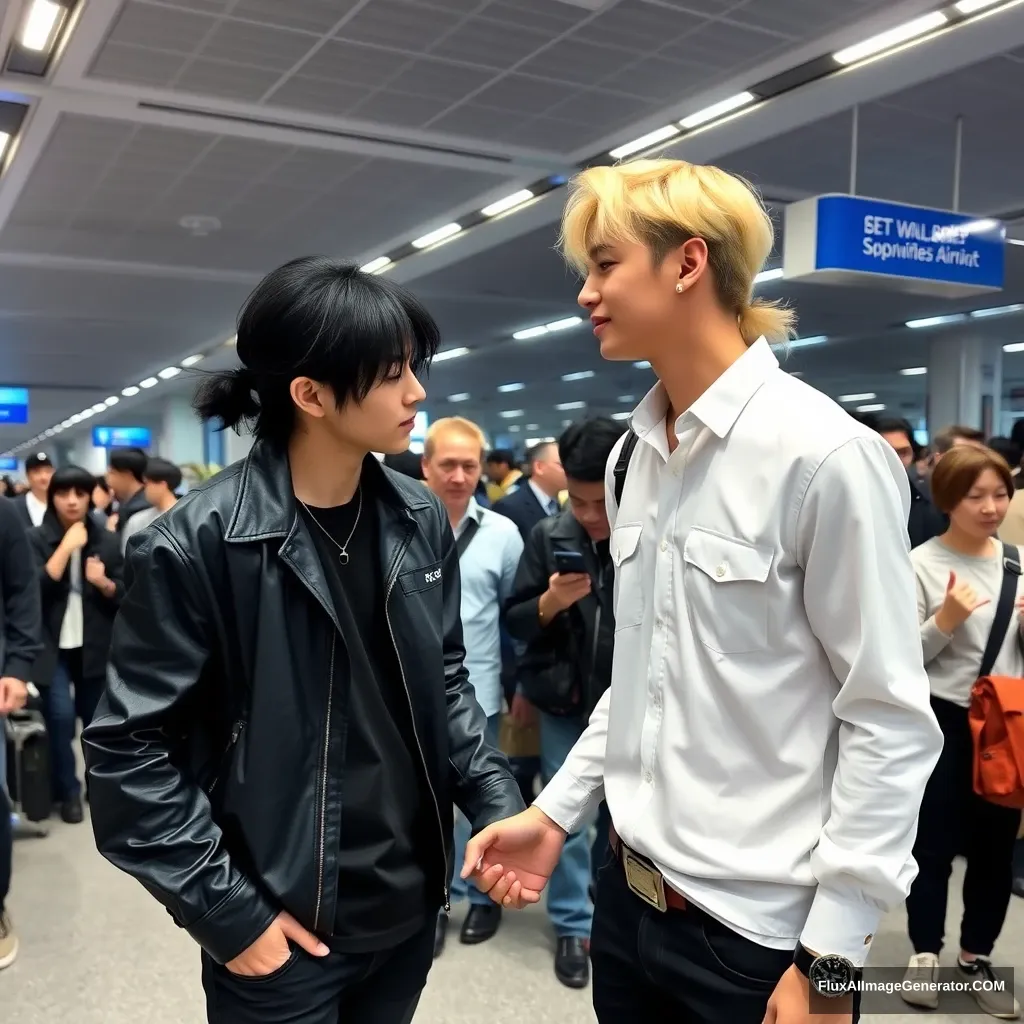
5 139
191 360
149 382
564 324
377 265
627 398
970 6
818 339
85 414
914 371
887 40
871 408
567 406
578 375
130 392
770 275
741 99
511 414
978 227
621 415
1015 241
67 423
508 203
644 142
506 389
1017 346
168 372
1016 307
936 321
530 332
450 353
462 396
515 428
865 397
643 364
533 426
111 401
38 31
99 407
441 234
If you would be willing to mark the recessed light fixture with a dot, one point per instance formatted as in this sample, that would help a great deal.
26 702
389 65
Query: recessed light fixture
621 415
39 31
971 6
914 371
980 314
566 406
578 375
555 325
1016 346
817 339
377 265
438 235
130 392
85 414
530 332
111 401
149 382
533 426
644 142
191 360
524 195
564 324
890 39
99 407
741 99
168 372
936 321
1015 241
511 414
450 353
775 274
507 389
462 396
643 364
627 398
515 428
876 407
200 225
864 397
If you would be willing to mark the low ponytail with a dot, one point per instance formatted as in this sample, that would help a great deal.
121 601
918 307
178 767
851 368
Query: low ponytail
772 320
229 397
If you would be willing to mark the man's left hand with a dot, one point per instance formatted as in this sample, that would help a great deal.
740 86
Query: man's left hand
791 1003
13 695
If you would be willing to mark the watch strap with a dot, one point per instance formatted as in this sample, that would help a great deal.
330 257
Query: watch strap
802 959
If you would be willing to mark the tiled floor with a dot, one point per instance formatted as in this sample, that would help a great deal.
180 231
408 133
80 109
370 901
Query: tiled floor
96 949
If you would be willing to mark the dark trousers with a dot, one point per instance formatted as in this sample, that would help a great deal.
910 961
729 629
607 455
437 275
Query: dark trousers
6 839
954 820
601 850
68 698
340 988
676 967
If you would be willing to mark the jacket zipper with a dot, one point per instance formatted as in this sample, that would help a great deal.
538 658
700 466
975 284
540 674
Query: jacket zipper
236 731
419 746
323 788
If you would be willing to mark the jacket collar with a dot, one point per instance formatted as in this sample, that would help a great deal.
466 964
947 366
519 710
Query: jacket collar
566 528
265 505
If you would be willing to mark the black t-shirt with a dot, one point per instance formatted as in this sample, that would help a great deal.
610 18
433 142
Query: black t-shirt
388 837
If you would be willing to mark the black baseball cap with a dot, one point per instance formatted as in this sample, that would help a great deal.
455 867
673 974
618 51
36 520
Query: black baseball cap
37 460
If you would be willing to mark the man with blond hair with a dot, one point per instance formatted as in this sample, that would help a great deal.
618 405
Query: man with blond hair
489 548
764 669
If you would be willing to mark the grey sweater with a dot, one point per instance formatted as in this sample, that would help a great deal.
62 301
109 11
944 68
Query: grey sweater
953 662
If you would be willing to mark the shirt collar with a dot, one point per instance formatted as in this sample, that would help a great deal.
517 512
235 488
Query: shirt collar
473 511
720 406
546 503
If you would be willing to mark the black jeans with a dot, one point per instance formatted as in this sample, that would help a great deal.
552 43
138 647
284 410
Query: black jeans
6 838
676 967
340 988
954 820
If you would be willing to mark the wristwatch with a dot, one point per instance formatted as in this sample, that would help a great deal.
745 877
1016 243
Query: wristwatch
830 975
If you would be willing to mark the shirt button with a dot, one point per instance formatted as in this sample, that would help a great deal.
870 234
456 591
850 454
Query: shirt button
648 778
720 571
664 545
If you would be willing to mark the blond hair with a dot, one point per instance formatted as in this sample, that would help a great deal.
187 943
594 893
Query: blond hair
661 204
453 425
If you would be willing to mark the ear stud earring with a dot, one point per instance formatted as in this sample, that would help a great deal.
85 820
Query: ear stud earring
679 288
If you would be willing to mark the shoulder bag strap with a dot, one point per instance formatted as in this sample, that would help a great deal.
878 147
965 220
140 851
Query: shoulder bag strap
1004 609
622 466
466 537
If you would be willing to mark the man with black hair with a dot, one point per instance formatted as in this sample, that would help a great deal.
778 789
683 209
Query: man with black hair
126 470
567 621
501 472
161 481
288 719
31 506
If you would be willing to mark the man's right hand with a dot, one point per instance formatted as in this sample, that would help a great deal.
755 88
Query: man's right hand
271 950
568 588
76 537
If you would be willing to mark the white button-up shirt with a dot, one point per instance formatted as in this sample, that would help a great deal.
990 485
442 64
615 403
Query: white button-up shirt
767 735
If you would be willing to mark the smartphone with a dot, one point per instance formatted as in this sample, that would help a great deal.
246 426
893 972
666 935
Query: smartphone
567 562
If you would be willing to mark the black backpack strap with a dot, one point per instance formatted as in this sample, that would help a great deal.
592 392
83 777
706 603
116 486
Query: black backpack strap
622 466
467 535
1004 609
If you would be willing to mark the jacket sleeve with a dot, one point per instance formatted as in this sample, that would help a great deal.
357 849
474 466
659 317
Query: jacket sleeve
482 782
23 625
149 818
113 561
521 615
51 589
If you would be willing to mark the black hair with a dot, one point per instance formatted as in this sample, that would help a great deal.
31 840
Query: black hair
318 318
893 425
502 455
101 483
584 447
160 471
407 463
70 478
129 460
1008 448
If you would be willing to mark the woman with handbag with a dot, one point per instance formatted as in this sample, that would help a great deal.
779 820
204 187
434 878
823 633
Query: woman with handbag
959 579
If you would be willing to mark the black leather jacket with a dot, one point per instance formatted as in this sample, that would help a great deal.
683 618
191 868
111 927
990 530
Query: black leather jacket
215 755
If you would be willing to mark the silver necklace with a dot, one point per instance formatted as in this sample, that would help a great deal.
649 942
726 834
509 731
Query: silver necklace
342 548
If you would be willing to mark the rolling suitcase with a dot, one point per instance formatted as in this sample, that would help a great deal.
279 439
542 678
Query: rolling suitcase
28 765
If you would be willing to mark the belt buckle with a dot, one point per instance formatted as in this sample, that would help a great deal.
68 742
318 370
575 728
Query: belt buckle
644 880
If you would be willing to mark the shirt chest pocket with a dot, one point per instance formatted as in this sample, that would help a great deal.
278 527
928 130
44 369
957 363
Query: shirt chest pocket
629 590
725 585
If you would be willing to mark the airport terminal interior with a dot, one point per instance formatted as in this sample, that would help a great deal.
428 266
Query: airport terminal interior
160 156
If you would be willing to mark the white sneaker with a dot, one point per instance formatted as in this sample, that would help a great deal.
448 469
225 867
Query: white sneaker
919 983
996 1002
8 942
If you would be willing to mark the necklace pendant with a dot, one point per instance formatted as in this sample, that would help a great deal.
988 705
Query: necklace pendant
343 558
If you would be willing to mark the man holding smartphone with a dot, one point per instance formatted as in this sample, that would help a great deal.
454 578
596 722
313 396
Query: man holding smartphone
561 608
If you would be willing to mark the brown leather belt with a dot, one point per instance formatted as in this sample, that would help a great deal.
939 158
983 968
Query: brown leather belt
644 879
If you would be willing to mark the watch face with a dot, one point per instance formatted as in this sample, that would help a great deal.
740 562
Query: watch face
832 976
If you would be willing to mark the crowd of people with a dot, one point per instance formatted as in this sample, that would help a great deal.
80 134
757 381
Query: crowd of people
737 642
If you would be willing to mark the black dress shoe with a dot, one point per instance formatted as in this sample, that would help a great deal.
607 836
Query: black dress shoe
480 925
440 933
1018 886
572 962
71 811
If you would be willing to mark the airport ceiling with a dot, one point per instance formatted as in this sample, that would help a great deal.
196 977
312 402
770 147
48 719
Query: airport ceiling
175 150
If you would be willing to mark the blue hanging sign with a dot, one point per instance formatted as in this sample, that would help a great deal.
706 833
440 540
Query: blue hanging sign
13 405
121 437
8 464
852 240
